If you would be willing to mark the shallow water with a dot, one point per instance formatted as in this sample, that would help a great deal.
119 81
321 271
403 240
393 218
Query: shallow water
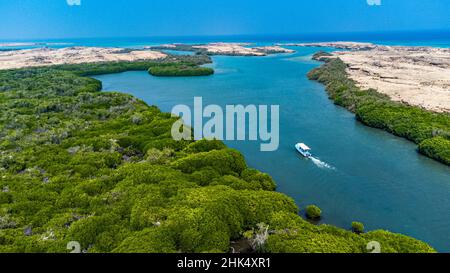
357 174
178 52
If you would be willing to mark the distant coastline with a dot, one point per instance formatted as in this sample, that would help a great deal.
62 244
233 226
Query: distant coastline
30 44
38 57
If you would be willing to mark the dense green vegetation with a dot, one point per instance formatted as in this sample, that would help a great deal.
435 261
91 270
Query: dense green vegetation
116 67
294 235
180 71
437 148
430 130
77 164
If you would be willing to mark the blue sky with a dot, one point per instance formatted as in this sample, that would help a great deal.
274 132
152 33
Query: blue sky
40 19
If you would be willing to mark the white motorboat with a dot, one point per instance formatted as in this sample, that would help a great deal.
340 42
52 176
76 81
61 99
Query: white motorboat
303 150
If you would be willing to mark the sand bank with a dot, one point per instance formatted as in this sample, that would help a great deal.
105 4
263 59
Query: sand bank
72 55
418 76
338 45
229 49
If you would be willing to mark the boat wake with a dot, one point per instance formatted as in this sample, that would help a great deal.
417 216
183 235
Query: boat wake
321 164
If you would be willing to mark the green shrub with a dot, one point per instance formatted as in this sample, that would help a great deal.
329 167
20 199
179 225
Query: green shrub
205 146
396 243
313 212
227 161
357 227
153 240
5 198
436 147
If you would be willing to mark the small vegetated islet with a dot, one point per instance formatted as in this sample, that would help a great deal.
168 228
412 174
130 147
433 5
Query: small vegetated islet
313 212
178 70
357 227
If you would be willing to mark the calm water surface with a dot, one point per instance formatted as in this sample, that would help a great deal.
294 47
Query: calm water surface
372 177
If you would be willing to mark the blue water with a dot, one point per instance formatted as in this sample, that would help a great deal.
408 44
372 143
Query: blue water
363 174
178 52
438 38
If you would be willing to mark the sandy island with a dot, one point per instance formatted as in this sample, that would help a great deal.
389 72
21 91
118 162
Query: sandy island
418 76
338 45
231 49
17 44
72 55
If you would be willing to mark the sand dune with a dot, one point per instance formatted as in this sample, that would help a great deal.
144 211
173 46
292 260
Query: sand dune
417 76
72 55
339 45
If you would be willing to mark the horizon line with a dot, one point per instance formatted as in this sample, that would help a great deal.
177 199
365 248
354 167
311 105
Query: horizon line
239 35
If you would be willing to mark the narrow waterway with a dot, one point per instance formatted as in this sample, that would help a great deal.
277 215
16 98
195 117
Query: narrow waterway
361 174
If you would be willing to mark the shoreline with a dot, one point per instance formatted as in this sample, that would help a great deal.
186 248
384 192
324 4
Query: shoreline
41 57
428 129
416 76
